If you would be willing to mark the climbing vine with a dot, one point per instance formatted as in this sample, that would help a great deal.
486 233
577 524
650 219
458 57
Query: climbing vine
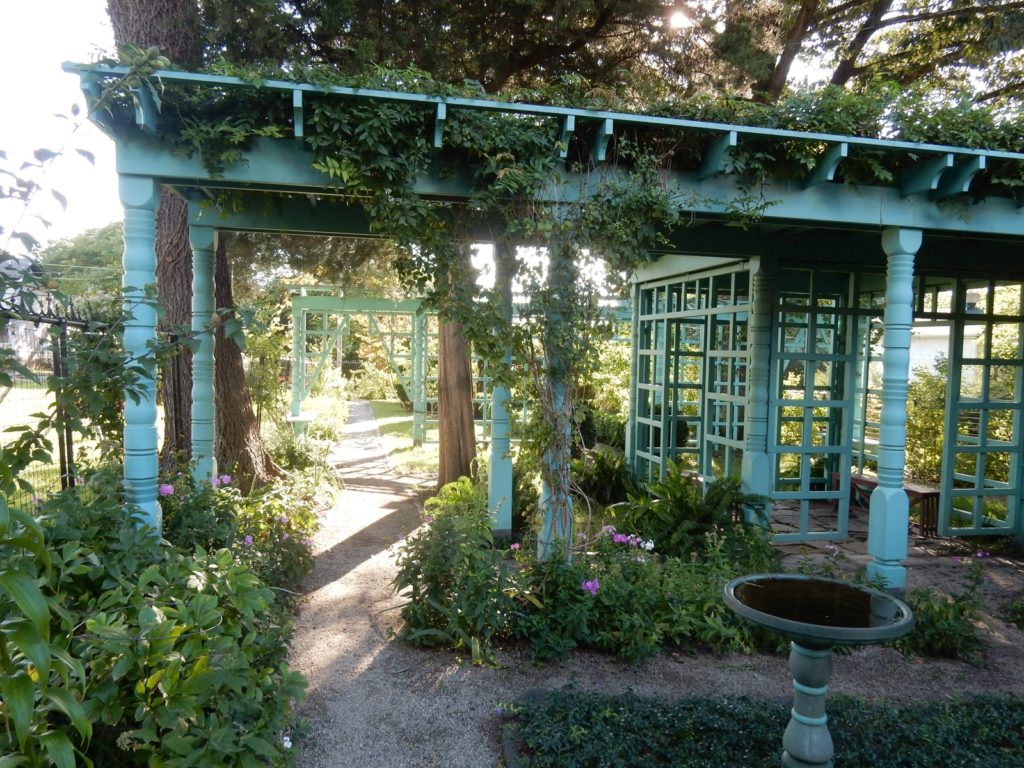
522 193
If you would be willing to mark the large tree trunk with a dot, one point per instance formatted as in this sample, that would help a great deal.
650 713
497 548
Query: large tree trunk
173 27
455 387
454 404
239 446
174 284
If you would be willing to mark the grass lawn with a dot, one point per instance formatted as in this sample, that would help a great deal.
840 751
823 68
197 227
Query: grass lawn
395 424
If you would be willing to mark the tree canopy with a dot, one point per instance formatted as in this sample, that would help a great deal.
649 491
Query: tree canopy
642 49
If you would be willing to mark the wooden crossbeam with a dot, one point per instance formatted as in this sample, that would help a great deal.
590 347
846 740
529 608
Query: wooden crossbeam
713 161
825 170
439 118
568 128
924 177
604 135
299 116
957 180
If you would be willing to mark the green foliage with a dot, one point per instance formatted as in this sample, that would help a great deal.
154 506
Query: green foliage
88 264
454 580
945 625
588 730
616 596
926 420
678 513
601 474
184 653
371 383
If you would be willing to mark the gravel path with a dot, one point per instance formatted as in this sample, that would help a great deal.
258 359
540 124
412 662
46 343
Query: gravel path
374 702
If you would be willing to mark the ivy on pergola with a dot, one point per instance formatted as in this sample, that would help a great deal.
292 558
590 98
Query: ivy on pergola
436 167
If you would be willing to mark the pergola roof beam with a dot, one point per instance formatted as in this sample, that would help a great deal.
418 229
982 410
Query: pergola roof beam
624 118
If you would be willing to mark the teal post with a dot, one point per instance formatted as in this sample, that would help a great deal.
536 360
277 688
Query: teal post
889 511
296 418
419 378
555 499
630 448
499 477
204 244
756 475
140 196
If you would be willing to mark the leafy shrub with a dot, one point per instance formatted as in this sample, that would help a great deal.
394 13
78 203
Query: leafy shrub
610 428
453 578
275 526
601 475
184 653
370 383
944 625
678 513
525 495
199 514
293 452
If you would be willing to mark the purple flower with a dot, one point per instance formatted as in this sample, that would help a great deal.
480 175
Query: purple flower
307 542
606 530
428 520
247 541
282 519
166 489
832 549
982 553
515 546
220 480
620 538
284 537
590 586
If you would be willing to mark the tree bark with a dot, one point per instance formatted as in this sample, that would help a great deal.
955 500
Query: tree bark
239 446
172 26
454 404
457 449
846 67
770 90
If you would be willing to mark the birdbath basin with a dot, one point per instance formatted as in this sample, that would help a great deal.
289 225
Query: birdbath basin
816 614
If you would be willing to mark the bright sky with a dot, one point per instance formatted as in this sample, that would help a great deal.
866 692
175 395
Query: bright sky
35 38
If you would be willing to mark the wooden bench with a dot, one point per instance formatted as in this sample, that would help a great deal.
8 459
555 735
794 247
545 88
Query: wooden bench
924 497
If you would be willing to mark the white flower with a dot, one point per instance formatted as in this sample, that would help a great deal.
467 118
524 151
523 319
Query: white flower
649 545
286 742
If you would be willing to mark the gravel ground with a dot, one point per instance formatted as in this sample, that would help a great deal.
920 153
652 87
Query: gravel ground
374 702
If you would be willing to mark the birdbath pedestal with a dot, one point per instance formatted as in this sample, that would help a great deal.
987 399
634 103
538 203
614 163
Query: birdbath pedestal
816 614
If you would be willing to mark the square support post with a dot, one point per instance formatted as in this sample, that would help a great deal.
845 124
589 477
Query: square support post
140 196
889 510
204 244
499 475
756 474
419 378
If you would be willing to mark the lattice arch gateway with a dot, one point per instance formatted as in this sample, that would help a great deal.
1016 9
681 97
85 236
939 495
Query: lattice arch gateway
755 351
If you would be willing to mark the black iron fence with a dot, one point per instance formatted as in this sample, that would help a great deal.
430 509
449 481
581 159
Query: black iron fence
37 333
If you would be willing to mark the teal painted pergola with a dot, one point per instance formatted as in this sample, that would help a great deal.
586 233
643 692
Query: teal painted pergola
756 352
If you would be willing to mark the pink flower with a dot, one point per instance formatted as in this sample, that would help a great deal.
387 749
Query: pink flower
515 546
166 489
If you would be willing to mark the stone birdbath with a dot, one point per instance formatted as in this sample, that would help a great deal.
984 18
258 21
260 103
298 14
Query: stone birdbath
816 614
